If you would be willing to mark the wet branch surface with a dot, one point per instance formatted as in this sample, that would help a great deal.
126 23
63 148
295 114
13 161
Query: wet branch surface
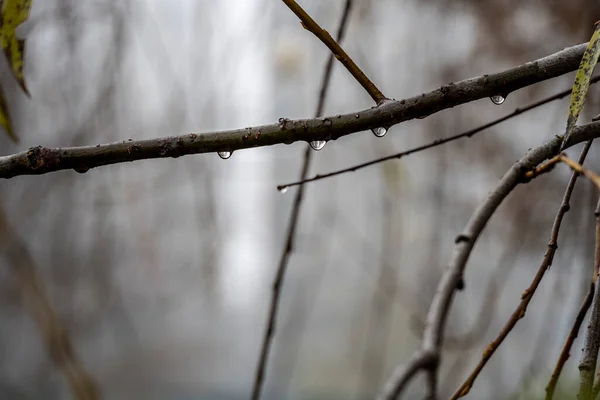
41 160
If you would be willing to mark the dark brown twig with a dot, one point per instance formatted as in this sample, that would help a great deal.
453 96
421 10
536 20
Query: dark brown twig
55 336
41 160
530 291
587 365
437 142
309 24
293 223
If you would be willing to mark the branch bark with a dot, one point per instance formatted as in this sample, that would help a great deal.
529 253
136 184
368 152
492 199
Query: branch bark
438 142
41 160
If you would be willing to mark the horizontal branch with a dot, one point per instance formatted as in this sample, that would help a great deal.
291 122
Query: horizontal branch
452 279
438 142
41 160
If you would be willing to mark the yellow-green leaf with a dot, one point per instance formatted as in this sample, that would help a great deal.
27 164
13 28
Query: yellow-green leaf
5 120
14 13
582 81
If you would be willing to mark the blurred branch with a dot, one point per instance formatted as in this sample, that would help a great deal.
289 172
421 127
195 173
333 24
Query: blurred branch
564 354
583 171
452 279
56 338
438 142
498 279
530 291
295 213
40 160
309 24
587 365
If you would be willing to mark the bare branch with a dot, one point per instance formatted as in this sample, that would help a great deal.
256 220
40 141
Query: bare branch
55 336
41 160
452 279
587 365
293 223
421 360
438 142
591 175
530 291
309 24
564 354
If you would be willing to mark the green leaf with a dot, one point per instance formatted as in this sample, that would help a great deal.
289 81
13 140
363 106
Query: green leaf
5 120
14 13
582 81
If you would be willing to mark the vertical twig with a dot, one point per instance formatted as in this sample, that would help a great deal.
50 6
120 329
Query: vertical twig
55 336
587 365
293 221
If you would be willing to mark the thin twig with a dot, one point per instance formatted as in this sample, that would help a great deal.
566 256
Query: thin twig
309 24
591 175
452 279
530 291
293 223
565 353
55 336
597 244
587 365
437 142
41 160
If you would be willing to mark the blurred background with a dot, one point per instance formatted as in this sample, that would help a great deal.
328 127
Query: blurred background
161 270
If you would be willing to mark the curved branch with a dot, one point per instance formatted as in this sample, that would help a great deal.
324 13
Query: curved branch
452 279
528 294
41 160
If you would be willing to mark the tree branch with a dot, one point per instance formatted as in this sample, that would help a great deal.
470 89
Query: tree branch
293 223
530 291
564 354
55 336
587 365
309 24
438 142
452 279
41 160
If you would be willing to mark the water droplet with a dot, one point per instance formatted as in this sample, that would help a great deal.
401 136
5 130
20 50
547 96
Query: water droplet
224 154
497 99
283 189
317 144
379 132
